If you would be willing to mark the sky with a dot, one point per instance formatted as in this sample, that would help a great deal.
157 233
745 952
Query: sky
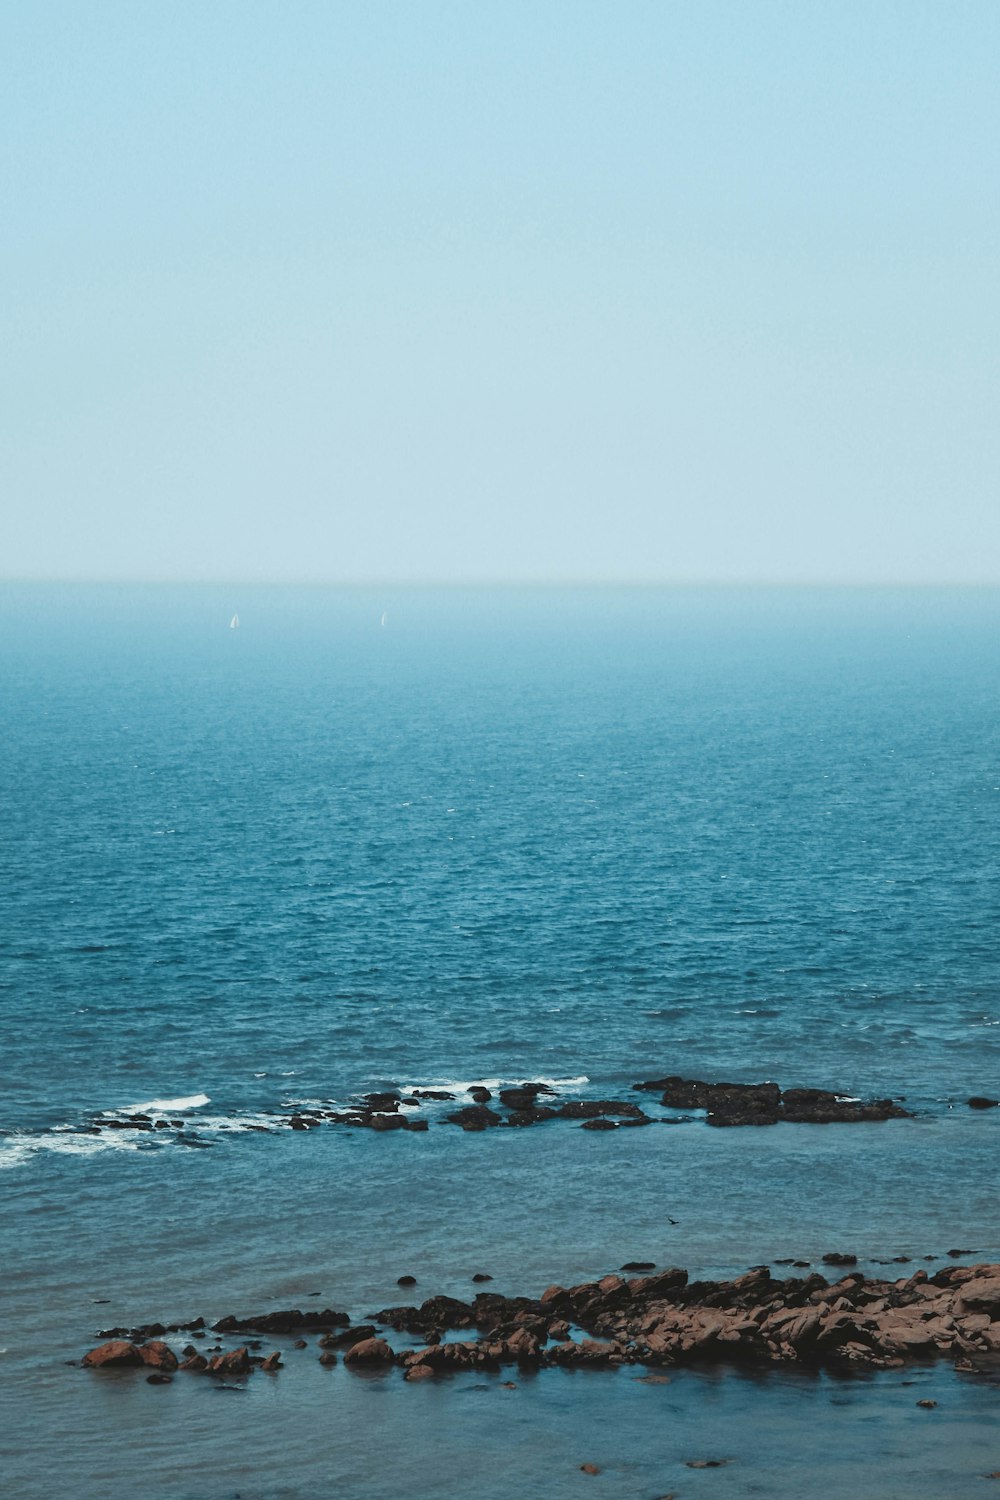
483 290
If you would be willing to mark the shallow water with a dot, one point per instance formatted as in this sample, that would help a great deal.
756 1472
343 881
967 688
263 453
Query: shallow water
579 836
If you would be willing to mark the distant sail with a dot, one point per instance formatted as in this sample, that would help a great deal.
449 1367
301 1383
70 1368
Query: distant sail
234 623
385 616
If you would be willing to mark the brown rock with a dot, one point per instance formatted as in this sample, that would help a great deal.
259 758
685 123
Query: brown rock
158 1356
586 1352
116 1353
523 1346
419 1372
982 1293
370 1352
236 1362
589 1469
272 1363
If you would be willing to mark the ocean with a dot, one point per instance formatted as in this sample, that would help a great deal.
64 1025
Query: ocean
425 838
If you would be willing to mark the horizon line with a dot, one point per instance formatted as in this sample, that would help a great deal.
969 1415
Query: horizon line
580 582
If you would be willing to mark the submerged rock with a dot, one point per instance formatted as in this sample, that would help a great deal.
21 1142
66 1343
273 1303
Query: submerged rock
288 1321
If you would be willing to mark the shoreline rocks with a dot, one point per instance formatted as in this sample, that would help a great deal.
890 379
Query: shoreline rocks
657 1320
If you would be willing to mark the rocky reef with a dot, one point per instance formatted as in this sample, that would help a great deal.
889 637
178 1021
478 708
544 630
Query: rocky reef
767 1104
662 1319
528 1104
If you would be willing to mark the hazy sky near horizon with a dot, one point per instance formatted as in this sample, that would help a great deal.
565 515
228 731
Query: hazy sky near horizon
533 289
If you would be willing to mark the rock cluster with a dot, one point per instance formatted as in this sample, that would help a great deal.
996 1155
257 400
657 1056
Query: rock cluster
665 1319
767 1104
536 1103
658 1320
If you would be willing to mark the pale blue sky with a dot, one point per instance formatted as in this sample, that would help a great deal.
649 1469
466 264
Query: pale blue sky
438 290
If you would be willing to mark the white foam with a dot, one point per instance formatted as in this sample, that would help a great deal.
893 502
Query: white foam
164 1106
462 1086
249 1121
15 1151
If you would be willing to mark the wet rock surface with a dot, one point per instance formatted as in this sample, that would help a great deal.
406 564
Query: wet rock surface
287 1321
661 1319
767 1104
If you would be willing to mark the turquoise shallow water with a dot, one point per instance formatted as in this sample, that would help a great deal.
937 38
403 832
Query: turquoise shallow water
591 836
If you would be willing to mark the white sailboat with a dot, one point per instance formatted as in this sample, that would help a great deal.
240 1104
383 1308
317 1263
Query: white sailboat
385 616
234 623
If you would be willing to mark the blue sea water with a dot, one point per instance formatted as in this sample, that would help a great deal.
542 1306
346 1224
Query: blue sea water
590 836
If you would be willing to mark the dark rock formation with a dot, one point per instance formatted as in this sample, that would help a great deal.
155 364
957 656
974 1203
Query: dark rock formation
384 1103
521 1098
474 1117
281 1322
589 1109
436 1312
767 1104
534 1114
348 1337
